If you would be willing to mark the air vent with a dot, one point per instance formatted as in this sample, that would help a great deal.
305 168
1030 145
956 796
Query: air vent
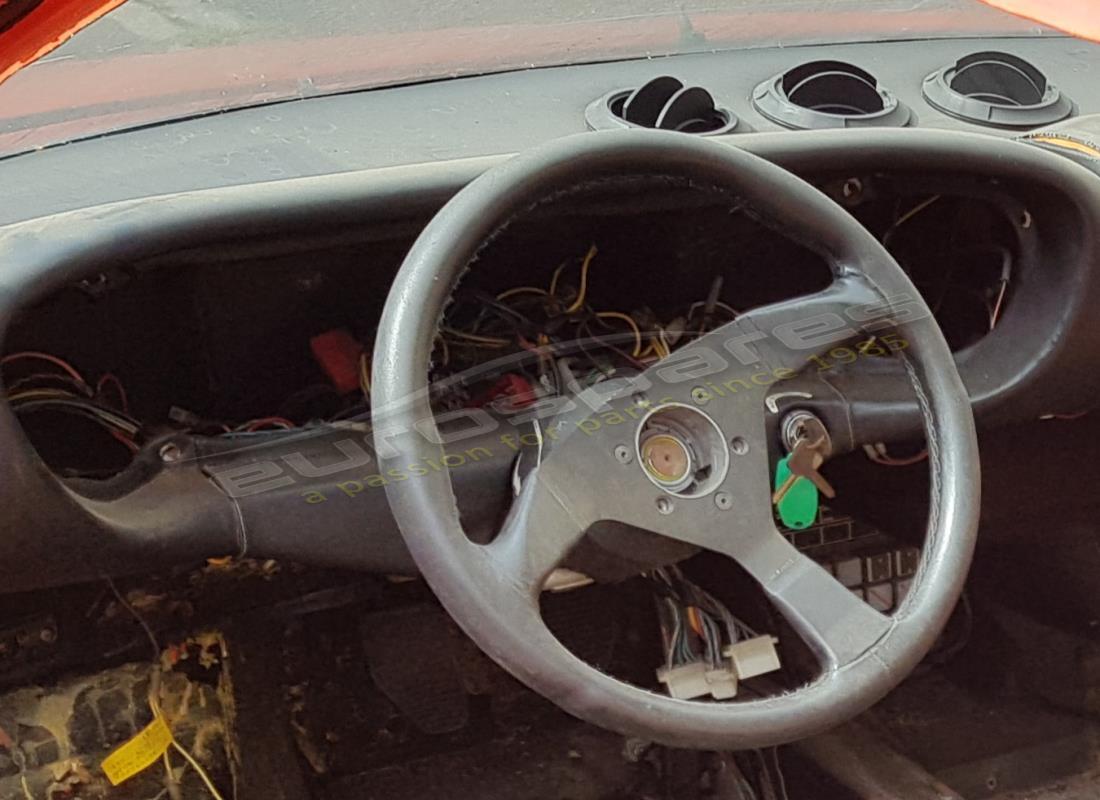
828 94
996 89
664 103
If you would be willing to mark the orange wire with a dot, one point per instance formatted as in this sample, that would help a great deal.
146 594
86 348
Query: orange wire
694 619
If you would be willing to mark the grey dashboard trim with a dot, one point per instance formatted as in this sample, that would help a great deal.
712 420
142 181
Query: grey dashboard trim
460 118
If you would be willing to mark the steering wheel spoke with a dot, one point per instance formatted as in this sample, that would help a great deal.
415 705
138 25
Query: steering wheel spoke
542 527
836 624
787 335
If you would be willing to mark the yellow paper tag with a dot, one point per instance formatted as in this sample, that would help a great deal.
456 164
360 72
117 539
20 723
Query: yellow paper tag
138 753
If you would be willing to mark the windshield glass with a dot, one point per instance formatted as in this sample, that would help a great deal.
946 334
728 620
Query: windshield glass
155 60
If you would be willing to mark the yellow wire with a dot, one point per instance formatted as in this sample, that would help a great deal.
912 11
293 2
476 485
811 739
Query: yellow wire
654 349
578 304
908 215
473 337
657 346
172 780
54 394
522 290
664 343
629 320
159 714
198 769
364 375
554 279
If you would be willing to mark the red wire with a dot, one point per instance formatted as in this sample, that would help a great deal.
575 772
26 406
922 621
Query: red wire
130 444
264 422
113 380
57 362
73 373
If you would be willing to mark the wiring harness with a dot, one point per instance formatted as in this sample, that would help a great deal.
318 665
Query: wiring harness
570 342
693 622
52 384
707 650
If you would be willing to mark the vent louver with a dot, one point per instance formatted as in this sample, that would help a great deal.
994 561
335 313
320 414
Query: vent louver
665 103
828 94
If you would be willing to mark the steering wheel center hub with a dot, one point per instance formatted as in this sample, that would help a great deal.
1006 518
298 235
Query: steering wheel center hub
682 450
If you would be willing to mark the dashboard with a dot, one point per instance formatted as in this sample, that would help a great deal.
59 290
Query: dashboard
442 121
203 275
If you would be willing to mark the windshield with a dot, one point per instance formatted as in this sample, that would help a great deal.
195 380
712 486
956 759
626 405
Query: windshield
155 60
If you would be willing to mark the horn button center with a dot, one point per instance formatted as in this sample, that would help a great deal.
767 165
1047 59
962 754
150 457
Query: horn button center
682 450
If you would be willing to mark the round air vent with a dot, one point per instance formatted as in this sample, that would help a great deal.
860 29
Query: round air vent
665 103
996 89
828 94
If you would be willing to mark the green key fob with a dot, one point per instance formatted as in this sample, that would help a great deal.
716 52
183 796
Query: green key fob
798 507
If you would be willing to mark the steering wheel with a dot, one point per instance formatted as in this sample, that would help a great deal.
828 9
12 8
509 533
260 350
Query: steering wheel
592 473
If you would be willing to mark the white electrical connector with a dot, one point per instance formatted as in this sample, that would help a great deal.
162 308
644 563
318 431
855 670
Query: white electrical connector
698 679
753 657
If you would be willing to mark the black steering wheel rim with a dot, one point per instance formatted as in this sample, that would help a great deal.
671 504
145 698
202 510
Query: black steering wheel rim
494 609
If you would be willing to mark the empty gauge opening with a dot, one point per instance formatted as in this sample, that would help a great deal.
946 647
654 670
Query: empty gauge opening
828 94
833 87
996 89
999 78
